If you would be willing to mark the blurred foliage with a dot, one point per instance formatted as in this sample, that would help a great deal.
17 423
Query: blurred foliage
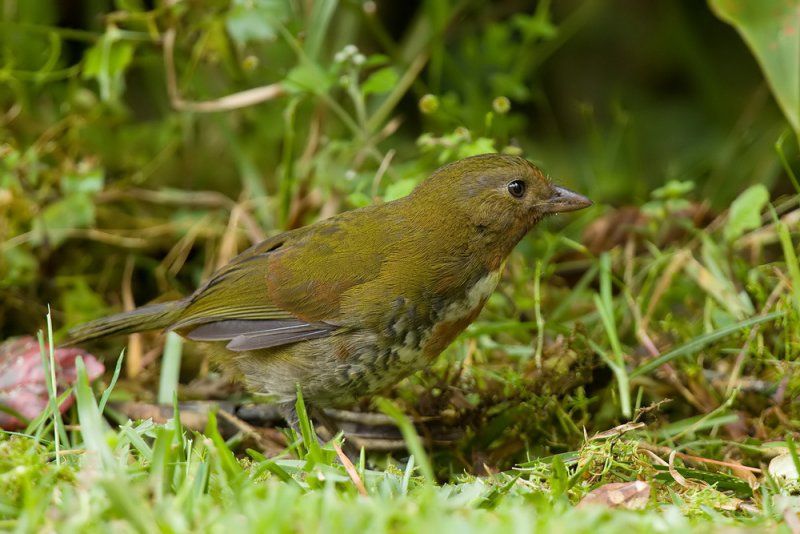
617 99
144 143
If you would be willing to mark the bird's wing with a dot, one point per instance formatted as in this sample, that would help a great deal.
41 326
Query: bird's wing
281 291
243 335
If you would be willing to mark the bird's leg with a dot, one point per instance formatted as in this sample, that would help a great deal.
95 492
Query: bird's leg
325 421
289 412
352 452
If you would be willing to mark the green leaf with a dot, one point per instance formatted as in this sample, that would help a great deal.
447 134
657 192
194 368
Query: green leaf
380 81
255 20
18 267
376 60
673 189
481 145
399 189
535 27
135 6
307 77
358 199
79 302
86 183
771 29
106 62
73 211
745 212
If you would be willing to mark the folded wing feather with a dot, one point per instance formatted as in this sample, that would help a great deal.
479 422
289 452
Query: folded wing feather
245 335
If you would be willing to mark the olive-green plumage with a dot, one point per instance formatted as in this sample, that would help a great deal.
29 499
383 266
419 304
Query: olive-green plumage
349 305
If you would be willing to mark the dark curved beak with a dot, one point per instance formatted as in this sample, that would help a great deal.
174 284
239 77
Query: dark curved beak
564 199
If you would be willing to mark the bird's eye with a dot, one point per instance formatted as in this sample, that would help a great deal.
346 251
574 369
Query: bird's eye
516 188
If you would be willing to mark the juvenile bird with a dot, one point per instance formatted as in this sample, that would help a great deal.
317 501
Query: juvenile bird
352 304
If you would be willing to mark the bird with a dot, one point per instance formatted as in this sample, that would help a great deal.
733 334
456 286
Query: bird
350 305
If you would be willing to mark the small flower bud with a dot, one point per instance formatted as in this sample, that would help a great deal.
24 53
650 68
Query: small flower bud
501 105
429 104
462 133
250 63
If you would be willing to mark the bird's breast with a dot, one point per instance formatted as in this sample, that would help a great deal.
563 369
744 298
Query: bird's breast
419 331
365 360
458 314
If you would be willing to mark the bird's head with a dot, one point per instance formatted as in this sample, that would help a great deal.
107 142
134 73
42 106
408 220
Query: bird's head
497 195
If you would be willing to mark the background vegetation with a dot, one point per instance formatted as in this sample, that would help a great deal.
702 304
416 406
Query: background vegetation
143 145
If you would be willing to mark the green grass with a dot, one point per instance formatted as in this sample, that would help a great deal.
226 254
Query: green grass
149 478
144 477
653 337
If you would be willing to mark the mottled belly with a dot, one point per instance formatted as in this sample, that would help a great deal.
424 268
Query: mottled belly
339 369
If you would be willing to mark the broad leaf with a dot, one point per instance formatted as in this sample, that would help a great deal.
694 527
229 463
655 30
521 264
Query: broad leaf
771 28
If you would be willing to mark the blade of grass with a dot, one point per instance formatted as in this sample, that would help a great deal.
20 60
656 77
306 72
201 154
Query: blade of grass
286 187
176 419
413 442
37 427
537 311
388 104
309 435
687 349
409 470
576 292
170 368
310 441
791 263
793 452
162 462
785 162
695 424
110 388
200 484
605 307
47 353
321 14
93 427
8 410
128 506
268 464
230 466
145 451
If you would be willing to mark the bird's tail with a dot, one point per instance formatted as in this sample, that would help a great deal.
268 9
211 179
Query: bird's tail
152 317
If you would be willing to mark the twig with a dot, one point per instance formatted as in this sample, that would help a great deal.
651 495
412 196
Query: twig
679 478
387 160
351 470
241 99
133 362
653 450
227 247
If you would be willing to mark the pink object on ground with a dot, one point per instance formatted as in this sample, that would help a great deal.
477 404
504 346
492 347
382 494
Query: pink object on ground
23 385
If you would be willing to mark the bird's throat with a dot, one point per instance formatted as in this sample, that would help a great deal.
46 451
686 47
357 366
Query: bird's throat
459 313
